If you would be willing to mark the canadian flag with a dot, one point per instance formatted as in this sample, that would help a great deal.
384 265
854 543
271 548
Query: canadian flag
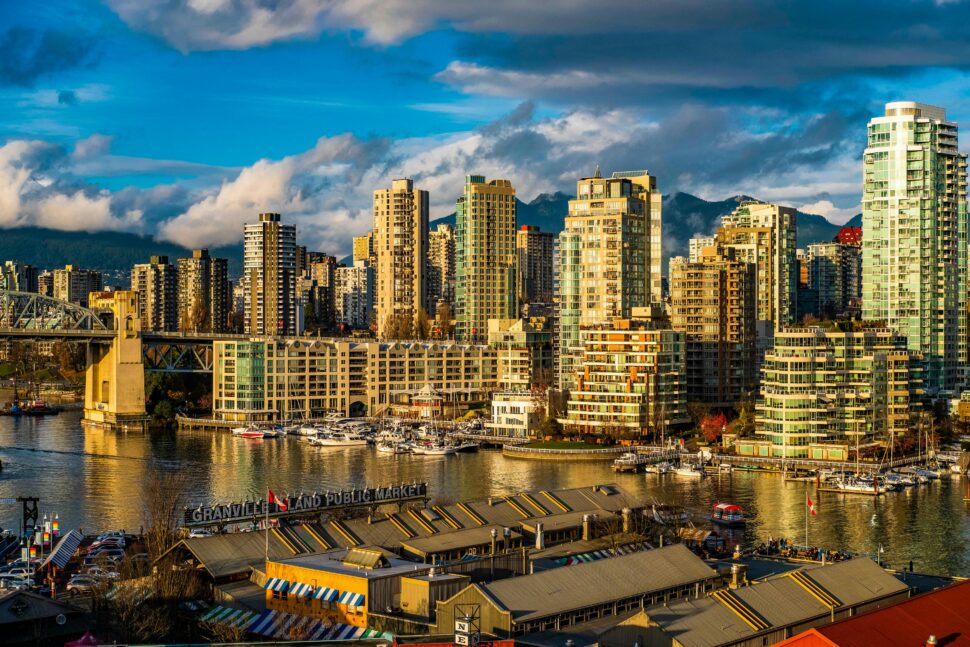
281 503
811 506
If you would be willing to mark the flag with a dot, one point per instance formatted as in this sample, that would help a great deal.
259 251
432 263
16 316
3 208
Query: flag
280 503
811 506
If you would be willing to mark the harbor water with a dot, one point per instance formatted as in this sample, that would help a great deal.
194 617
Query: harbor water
95 480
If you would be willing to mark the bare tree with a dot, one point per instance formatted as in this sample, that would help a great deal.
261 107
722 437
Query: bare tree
164 497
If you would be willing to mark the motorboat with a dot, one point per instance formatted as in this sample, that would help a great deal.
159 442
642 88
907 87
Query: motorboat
727 514
339 439
467 447
663 467
307 430
252 431
275 432
690 470
385 447
437 450
861 485
291 430
669 515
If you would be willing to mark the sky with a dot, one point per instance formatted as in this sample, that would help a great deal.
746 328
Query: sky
183 119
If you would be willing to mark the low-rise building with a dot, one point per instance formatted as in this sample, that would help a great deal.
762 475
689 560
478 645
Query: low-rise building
514 414
824 390
524 348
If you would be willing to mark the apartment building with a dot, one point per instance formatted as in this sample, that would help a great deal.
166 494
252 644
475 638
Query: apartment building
204 299
534 249
74 284
354 295
269 264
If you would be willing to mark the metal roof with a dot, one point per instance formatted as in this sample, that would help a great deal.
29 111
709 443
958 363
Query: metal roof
457 539
585 585
233 553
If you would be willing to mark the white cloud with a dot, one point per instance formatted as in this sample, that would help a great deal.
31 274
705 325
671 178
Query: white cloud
831 212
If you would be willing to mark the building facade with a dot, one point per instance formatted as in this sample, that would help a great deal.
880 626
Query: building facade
354 295
712 301
18 277
401 247
441 267
828 387
484 256
320 292
533 249
204 299
631 383
269 265
74 284
609 254
156 284
834 280
914 252
524 353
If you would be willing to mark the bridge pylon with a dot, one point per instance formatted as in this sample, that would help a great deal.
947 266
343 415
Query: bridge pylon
114 385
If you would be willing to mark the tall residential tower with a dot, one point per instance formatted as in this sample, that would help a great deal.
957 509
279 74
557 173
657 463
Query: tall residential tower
269 263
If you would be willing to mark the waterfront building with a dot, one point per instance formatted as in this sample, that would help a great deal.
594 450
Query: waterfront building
204 300
269 264
515 414
697 245
354 295
834 278
441 267
822 390
631 381
764 235
524 348
609 254
914 253
156 284
712 301
533 249
74 284
18 277
293 378
401 246
484 256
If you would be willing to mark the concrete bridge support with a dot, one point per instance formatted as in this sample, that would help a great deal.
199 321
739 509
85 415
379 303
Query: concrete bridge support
114 389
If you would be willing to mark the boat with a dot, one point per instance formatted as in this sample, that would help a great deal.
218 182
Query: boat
339 439
392 448
467 447
628 462
273 433
863 486
690 470
727 514
292 430
669 515
663 467
307 430
438 450
32 408
252 431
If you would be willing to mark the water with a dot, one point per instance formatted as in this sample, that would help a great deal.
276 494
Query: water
94 480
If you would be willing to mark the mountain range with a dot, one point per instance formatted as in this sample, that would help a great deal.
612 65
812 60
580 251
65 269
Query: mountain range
684 216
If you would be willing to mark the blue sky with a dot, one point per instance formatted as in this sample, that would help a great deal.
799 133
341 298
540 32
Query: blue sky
181 119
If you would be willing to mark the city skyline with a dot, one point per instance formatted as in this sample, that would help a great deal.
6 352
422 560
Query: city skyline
408 91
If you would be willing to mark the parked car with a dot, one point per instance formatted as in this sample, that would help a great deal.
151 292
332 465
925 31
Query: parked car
107 543
199 532
102 573
21 571
81 584
16 583
113 555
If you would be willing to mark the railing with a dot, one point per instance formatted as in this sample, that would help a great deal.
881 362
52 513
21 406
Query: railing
516 449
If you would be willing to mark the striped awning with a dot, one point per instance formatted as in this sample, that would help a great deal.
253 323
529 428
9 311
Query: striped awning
300 590
595 555
276 624
64 549
276 584
326 594
351 599
228 616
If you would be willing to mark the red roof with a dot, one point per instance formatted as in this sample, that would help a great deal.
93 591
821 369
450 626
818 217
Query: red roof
849 236
944 613
727 506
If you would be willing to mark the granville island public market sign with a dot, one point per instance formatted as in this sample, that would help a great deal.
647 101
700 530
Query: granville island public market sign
316 502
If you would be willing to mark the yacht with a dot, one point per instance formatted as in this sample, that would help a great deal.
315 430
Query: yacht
307 430
669 515
691 470
273 432
663 467
252 431
387 447
866 486
339 439
436 450
467 447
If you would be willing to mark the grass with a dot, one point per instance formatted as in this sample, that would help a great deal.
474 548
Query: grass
6 370
563 444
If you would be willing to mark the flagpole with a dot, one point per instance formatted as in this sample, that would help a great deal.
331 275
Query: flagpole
266 532
806 521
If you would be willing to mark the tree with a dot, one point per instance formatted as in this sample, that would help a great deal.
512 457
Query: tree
422 325
549 427
743 425
444 321
713 427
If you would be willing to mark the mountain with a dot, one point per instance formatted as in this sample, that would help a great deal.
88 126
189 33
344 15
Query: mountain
110 252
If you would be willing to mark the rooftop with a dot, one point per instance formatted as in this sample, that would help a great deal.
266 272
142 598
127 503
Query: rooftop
335 561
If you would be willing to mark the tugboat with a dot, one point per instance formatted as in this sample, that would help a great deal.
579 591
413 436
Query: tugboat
727 514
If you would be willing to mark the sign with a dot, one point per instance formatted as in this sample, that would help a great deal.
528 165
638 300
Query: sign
303 503
462 627
466 640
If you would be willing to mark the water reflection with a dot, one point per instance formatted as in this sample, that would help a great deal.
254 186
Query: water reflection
94 480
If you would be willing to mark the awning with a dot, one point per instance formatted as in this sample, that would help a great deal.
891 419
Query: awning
351 599
300 590
64 549
326 594
276 584
228 616
276 624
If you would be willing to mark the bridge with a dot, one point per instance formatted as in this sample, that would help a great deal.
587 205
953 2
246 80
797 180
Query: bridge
118 352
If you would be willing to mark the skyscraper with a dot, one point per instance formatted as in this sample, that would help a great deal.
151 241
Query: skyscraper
155 282
914 248
609 257
833 279
401 246
441 267
484 255
534 264
74 284
269 265
364 247
353 295
204 300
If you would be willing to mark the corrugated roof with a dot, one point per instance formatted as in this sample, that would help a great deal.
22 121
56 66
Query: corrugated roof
456 539
564 589
225 555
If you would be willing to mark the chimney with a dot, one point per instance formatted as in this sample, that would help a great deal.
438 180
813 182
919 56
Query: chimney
586 527
627 513
540 537
494 537
739 575
931 641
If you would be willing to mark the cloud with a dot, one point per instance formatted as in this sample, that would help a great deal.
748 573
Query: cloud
29 54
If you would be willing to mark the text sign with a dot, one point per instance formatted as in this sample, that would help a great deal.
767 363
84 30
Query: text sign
316 502
462 627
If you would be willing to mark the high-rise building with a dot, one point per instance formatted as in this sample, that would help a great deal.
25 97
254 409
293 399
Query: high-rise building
401 247
697 245
524 353
320 292
18 277
534 257
712 301
353 295
914 249
45 283
764 234
269 272
302 261
484 255
364 247
441 267
824 389
156 284
609 254
204 298
834 279
74 284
